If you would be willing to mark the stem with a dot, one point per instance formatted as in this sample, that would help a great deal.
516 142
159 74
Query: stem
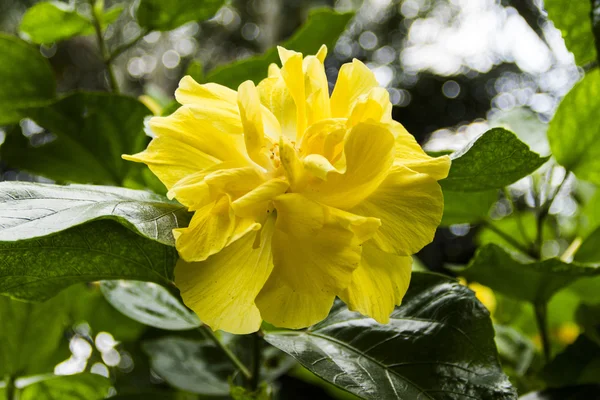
123 48
9 390
236 361
507 238
256 361
590 66
103 52
541 317
543 210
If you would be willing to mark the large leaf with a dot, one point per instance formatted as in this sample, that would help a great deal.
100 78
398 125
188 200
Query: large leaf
149 304
84 386
462 208
30 210
495 159
521 278
26 79
574 130
573 19
438 345
578 364
37 269
48 22
90 132
166 15
323 26
30 334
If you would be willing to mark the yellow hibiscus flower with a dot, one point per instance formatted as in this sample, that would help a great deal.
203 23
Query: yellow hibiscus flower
298 197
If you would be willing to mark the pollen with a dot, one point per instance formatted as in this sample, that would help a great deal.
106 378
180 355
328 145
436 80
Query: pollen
274 155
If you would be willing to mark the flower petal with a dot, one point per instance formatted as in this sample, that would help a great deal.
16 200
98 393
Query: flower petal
293 75
369 152
374 106
315 250
325 138
409 205
378 284
354 80
257 203
208 95
276 97
211 229
316 90
222 289
252 121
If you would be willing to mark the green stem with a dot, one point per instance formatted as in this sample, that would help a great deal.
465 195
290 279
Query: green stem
232 357
256 361
509 239
541 317
103 51
9 390
123 48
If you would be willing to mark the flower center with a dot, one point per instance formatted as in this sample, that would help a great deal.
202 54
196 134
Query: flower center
274 155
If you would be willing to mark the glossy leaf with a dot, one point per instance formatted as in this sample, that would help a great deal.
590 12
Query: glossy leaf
149 304
573 20
37 269
166 15
89 133
578 364
26 79
573 130
30 210
30 334
439 344
48 22
463 208
323 26
494 160
521 278
84 386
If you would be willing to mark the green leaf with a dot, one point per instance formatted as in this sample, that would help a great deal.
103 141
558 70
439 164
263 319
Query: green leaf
573 130
438 345
588 317
515 350
111 15
463 208
582 392
149 304
37 269
323 26
521 278
166 15
30 210
587 289
26 79
49 22
578 364
494 160
84 386
30 334
572 18
90 132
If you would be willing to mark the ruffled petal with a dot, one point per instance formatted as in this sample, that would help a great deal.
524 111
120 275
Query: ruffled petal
409 205
316 89
293 76
326 138
315 250
374 106
211 229
354 80
411 155
235 182
276 97
252 121
257 203
222 289
378 284
369 152
208 95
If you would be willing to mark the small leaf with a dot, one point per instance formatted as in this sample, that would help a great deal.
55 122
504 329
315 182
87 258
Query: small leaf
533 281
438 345
149 304
48 22
89 133
323 26
573 132
572 18
494 160
582 392
26 79
37 269
164 16
30 210
84 386
578 364
463 208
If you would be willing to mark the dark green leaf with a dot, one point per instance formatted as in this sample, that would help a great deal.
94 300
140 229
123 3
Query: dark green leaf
84 386
149 304
573 130
589 251
583 392
37 269
49 22
521 278
90 132
462 208
438 345
166 15
515 350
572 18
578 364
30 210
26 79
196 71
492 161
588 317
323 26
